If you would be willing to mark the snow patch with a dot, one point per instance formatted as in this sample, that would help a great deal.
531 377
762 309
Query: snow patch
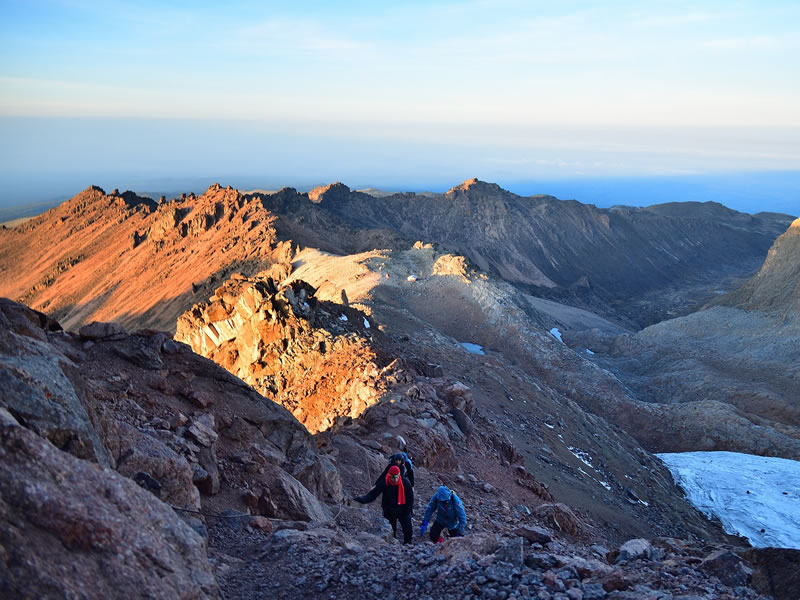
757 497
366 323
582 456
343 317
589 351
473 348
556 334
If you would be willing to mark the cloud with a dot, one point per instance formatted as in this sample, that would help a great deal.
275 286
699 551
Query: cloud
295 34
675 20
760 41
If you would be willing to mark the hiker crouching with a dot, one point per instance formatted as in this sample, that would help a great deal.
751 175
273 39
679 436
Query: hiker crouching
397 501
450 515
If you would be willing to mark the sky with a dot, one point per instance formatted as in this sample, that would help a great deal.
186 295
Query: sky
756 497
403 95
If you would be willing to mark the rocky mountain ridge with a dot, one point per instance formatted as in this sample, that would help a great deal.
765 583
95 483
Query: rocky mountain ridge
623 262
120 257
112 256
364 348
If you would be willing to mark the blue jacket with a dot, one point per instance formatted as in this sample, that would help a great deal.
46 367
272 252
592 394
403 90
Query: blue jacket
453 517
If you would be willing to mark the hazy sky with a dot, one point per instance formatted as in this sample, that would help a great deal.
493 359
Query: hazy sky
383 93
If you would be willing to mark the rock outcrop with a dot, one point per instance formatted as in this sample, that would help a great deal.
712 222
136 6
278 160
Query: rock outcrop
112 444
315 358
73 529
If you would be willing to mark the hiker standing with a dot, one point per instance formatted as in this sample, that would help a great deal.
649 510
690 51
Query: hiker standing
397 501
403 462
450 515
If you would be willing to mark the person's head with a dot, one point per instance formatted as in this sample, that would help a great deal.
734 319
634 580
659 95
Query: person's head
394 474
443 494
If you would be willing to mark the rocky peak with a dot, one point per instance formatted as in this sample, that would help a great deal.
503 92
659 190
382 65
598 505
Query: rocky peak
132 200
776 287
330 192
477 186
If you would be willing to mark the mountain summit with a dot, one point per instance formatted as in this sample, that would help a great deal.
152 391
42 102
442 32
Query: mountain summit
475 185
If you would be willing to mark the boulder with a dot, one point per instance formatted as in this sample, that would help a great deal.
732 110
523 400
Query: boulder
535 535
511 551
97 331
559 516
286 498
459 396
135 350
137 452
39 391
201 430
207 461
633 549
584 567
319 475
364 466
459 549
463 421
73 529
24 321
728 567
776 571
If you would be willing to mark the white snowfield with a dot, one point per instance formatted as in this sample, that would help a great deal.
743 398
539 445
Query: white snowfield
757 497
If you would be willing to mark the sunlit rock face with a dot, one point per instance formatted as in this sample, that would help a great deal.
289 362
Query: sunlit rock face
125 258
315 358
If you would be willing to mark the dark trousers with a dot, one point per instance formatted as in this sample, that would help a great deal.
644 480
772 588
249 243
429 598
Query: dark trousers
436 531
405 523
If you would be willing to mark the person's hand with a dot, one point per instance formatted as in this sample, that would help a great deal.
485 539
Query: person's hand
422 528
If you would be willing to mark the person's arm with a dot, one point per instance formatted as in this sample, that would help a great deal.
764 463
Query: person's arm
409 490
429 510
371 495
428 513
410 472
462 515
